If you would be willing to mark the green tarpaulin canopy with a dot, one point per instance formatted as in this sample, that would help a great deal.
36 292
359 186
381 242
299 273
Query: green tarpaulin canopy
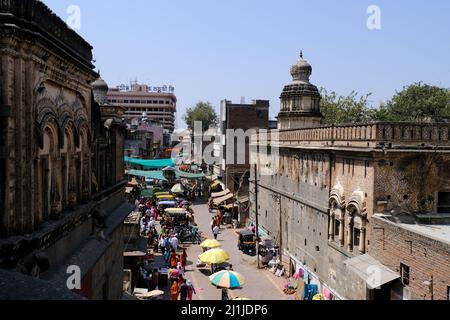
147 193
188 175
157 175
150 164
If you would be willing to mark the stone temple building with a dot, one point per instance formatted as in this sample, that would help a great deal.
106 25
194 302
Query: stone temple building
363 209
61 162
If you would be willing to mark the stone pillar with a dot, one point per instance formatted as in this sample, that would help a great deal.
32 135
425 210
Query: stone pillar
362 239
349 233
341 231
331 227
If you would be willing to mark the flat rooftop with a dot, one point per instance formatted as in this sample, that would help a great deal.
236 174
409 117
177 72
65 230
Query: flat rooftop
439 231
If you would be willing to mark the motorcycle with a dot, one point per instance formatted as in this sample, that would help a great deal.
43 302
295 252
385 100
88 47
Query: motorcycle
190 235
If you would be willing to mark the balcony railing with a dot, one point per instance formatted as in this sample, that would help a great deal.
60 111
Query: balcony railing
358 134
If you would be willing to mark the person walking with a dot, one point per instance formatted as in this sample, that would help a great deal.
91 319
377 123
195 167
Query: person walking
154 282
183 260
180 269
154 213
173 259
174 242
190 290
166 255
213 223
225 294
183 291
216 231
174 291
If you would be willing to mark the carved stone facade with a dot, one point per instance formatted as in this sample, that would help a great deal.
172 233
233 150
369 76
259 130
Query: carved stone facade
333 181
61 169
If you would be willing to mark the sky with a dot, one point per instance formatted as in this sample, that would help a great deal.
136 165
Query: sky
211 50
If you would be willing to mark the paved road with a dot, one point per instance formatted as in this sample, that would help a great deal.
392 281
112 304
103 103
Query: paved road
261 284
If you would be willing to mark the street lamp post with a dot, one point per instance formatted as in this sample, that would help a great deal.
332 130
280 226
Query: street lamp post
256 216
277 199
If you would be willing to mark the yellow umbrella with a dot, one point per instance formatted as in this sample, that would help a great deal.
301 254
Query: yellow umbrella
210 243
214 256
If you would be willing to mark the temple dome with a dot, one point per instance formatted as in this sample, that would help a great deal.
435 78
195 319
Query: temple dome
301 70
300 100
100 85
100 89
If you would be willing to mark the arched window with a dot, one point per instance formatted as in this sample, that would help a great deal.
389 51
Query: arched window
356 223
336 219
48 187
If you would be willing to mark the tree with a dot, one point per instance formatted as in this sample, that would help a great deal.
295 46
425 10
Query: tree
345 109
417 102
203 112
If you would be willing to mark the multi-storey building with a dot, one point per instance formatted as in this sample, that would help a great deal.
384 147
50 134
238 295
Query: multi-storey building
145 139
363 209
160 105
238 122
62 188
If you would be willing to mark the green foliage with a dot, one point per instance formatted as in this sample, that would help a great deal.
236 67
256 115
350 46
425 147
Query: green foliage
417 102
204 112
345 109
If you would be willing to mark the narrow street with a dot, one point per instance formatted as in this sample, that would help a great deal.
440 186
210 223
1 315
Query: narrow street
260 284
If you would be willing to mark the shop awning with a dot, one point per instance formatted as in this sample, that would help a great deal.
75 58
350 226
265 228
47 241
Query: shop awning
133 182
138 254
231 206
373 272
220 200
211 178
220 194
128 189
243 199
214 184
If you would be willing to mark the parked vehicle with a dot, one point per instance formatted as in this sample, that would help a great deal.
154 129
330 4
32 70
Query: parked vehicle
247 242
190 234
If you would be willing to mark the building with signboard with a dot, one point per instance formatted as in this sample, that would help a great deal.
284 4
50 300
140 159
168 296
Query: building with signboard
158 103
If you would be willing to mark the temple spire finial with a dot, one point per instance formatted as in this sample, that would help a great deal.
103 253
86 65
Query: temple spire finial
301 54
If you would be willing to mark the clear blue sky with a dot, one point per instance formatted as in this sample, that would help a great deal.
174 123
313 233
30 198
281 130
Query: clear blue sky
214 50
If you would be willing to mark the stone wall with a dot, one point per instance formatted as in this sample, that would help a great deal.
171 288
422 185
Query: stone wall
410 182
303 183
348 173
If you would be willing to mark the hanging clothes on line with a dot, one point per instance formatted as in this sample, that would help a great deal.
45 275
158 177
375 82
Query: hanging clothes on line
309 291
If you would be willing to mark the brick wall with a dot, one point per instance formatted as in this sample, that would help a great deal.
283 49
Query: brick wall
425 256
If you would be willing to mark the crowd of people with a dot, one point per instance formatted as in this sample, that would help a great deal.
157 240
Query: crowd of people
167 242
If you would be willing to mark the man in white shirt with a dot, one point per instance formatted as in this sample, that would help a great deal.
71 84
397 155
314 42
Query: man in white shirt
216 231
174 242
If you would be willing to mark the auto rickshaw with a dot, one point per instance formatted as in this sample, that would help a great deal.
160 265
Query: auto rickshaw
163 205
247 242
156 194
179 214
